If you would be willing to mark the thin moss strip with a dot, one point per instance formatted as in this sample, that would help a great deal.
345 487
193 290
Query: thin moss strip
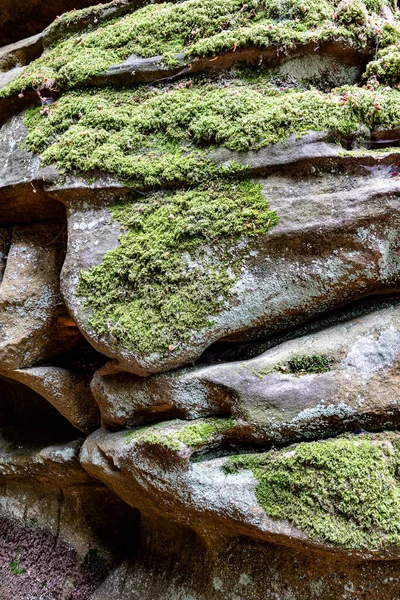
343 491
193 435
175 266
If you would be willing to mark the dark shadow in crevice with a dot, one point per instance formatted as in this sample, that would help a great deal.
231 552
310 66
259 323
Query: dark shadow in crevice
82 358
30 17
26 417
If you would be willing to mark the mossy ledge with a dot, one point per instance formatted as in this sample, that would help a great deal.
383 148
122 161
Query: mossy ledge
181 252
160 136
342 491
172 434
199 29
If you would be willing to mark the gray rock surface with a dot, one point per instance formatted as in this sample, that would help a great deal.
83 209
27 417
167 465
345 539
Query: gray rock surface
66 390
336 241
358 388
20 53
33 322
191 493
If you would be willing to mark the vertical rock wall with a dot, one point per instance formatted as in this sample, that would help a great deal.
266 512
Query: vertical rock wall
199 300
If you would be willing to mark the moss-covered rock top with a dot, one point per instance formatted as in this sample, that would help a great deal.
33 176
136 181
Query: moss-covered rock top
159 135
174 433
342 491
199 28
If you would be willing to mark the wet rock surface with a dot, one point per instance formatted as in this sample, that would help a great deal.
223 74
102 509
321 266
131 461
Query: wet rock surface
199 301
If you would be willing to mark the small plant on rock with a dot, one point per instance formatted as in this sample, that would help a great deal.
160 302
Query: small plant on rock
15 567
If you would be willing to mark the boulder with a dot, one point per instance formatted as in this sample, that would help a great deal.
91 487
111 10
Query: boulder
339 378
170 470
335 242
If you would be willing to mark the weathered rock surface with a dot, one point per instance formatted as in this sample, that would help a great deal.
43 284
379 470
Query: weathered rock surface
160 480
33 320
327 57
66 390
45 492
231 456
21 53
357 385
233 570
169 469
335 242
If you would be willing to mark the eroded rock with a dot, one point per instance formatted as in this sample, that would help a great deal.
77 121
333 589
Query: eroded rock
66 390
33 320
219 211
338 378
151 468
335 241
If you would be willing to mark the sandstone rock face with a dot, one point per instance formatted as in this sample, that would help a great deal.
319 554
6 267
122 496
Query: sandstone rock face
199 300
353 383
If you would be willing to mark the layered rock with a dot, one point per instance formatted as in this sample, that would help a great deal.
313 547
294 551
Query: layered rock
199 278
341 377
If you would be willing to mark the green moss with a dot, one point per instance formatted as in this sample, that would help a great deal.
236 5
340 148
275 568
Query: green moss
308 364
196 28
343 491
298 365
15 567
199 433
150 137
351 12
92 14
137 140
175 265
194 434
374 153
309 12
386 67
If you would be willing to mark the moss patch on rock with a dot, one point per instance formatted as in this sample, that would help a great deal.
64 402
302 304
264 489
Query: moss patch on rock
198 28
308 364
194 435
342 491
171 276
160 136
176 264
386 67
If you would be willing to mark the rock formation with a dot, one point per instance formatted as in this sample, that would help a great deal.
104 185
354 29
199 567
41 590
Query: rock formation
199 300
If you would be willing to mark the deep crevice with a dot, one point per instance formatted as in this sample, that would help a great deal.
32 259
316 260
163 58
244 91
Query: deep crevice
226 351
26 417
82 358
